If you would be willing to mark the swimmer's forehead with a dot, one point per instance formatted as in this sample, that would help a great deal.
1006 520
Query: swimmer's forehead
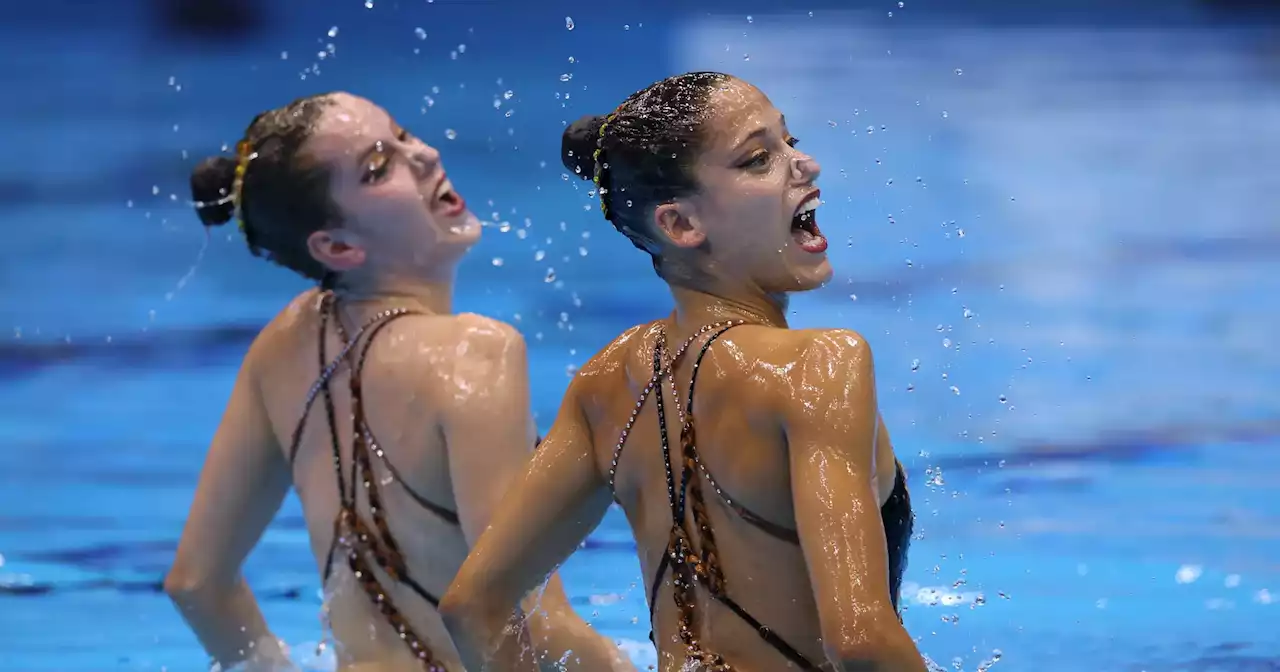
349 126
739 112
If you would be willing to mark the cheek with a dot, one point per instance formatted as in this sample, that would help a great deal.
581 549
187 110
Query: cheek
385 218
398 203
757 207
746 196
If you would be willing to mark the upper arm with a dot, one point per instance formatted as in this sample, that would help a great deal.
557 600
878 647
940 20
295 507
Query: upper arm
548 511
242 484
831 425
487 424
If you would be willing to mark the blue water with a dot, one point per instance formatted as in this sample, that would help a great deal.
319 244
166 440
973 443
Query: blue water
1060 238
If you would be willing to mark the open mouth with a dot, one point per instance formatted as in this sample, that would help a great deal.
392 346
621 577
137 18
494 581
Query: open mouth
445 201
804 227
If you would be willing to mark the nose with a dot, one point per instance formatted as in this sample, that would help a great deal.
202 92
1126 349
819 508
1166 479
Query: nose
804 168
424 158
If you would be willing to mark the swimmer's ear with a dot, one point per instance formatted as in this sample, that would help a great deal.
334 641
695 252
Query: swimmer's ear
332 249
678 223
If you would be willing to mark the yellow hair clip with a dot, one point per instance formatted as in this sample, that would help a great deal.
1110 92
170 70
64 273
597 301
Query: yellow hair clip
244 153
595 156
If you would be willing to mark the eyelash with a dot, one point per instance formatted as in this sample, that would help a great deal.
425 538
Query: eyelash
759 157
381 162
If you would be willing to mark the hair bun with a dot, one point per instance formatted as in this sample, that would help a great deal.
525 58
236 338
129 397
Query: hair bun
578 146
211 184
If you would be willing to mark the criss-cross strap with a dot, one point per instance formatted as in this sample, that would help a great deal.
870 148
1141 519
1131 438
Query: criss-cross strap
690 565
368 545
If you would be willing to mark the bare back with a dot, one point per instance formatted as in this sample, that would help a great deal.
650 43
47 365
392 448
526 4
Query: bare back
414 370
742 444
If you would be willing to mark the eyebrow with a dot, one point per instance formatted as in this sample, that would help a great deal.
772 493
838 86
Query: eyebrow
782 119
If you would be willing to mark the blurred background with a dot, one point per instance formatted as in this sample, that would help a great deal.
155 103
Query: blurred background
1057 222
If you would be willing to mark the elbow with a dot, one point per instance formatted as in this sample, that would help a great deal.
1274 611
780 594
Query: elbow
847 660
187 589
888 651
451 608
182 588
457 606
473 614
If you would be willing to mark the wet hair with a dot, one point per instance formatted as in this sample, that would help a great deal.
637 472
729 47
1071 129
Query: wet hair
285 193
642 154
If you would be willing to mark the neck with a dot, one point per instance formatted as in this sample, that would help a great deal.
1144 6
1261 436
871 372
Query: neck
696 307
432 296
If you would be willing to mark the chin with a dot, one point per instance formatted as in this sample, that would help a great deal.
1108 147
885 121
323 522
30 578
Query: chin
810 276
464 230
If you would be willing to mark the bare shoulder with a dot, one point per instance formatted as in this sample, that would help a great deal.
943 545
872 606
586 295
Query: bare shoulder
833 376
485 337
789 357
283 332
608 367
835 349
457 351
432 340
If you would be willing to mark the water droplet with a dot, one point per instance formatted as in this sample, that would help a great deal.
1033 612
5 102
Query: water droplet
333 32
944 114
497 261
946 342
1004 399
1188 574
959 71
368 4
915 365
566 76
420 33
750 19
450 134
568 23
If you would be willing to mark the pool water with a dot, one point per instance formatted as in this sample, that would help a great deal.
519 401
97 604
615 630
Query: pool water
1060 240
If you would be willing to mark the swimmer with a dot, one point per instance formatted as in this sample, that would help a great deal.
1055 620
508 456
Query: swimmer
400 423
770 513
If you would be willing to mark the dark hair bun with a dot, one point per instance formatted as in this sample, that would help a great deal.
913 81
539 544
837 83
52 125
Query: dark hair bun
578 146
211 183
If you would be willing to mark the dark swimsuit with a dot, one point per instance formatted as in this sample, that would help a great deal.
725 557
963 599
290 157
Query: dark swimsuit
366 545
700 566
